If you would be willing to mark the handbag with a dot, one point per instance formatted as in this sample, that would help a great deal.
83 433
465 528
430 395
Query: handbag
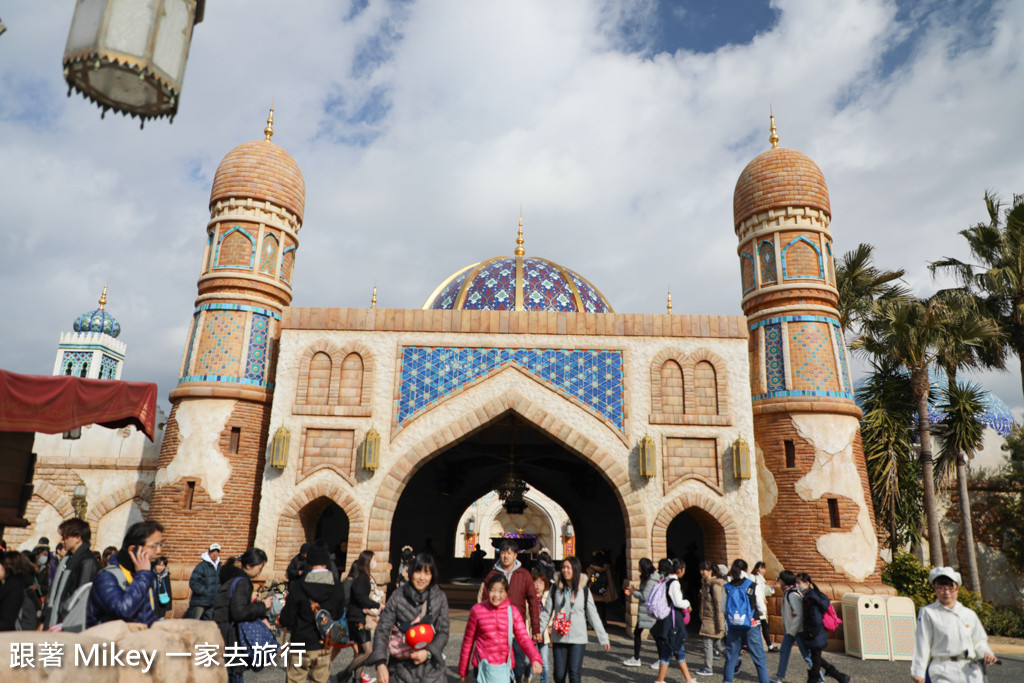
398 646
562 622
497 673
252 634
161 594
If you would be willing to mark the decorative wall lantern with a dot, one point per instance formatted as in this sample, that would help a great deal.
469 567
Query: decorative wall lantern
130 55
369 451
279 448
647 457
471 525
740 459
569 531
78 501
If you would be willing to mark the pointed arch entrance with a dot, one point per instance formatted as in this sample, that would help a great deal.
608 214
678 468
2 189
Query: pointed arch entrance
426 491
320 509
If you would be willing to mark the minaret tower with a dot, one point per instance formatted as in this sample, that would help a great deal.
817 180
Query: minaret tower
816 511
93 349
207 487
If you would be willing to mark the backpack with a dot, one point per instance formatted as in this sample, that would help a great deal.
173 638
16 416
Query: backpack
599 582
738 612
830 620
332 631
78 607
657 601
28 614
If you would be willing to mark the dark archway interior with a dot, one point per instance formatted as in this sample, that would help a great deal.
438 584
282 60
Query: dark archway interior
684 539
332 527
441 490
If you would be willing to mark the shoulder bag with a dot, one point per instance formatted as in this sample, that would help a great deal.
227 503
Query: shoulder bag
497 673
252 634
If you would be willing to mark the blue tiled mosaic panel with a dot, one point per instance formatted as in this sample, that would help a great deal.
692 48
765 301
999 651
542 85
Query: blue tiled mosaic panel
108 367
268 255
544 288
592 301
766 253
445 300
841 343
494 287
191 343
256 362
76 363
774 361
812 357
593 377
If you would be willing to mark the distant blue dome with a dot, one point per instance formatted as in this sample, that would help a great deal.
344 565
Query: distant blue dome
494 285
98 321
997 414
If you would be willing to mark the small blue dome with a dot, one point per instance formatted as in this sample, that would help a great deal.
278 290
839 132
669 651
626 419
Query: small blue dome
98 321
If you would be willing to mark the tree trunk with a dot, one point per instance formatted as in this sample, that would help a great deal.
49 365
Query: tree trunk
919 380
973 577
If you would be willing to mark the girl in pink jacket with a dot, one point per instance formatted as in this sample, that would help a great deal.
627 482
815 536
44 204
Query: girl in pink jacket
487 631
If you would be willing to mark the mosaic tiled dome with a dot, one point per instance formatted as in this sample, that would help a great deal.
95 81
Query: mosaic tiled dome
261 170
776 179
519 283
97 321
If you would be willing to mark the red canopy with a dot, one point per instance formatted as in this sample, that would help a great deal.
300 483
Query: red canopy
52 405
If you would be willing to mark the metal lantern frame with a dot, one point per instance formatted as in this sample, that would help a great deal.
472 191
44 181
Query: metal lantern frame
369 451
130 55
740 459
648 457
278 458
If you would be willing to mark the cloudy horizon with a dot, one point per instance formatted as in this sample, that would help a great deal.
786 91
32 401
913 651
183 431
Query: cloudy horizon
619 126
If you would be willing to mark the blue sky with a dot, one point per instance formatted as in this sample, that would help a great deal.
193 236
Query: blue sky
620 126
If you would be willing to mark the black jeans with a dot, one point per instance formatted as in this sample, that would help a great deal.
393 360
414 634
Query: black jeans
818 664
636 641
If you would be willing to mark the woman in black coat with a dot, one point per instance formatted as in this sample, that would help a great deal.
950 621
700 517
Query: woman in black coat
16 575
361 606
233 603
815 633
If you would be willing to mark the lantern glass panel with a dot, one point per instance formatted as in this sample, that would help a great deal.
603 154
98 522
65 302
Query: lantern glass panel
85 26
123 86
172 39
129 24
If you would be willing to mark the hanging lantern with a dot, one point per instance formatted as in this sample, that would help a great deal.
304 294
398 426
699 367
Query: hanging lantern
647 457
279 448
740 459
130 55
369 451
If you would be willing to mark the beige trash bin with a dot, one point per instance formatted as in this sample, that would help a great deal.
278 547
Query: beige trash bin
902 621
865 626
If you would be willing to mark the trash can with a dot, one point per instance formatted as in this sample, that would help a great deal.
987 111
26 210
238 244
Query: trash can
902 619
865 626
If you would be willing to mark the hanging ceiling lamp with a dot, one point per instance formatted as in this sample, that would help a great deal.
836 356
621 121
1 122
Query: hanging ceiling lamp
130 55
511 488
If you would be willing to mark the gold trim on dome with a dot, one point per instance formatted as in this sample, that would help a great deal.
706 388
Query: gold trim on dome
520 251
572 286
774 136
437 291
669 306
460 298
597 291
103 297
373 299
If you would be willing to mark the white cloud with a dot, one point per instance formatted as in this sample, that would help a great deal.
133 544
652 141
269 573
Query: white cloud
624 161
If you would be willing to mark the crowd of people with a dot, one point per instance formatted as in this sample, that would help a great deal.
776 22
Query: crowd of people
527 624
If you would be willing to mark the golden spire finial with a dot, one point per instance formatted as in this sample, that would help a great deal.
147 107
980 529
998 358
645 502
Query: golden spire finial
373 300
519 240
774 137
103 297
669 306
269 130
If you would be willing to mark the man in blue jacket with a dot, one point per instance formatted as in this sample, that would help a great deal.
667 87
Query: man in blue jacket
204 582
124 588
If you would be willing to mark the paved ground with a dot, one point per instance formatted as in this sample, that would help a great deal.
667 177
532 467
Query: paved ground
601 666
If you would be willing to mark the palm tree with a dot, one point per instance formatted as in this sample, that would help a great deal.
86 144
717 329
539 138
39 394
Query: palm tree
860 283
910 331
960 433
998 275
889 412
984 346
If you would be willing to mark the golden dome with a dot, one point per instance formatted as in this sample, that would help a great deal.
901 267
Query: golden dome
776 179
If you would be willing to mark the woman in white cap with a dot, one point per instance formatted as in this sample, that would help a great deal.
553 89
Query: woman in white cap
950 640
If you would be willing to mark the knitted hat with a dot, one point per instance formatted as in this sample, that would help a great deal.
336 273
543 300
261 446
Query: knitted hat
318 554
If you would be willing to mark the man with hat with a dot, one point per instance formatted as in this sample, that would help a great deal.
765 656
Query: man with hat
950 640
317 590
299 565
204 582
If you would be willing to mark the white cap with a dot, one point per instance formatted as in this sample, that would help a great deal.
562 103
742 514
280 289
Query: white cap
214 546
947 572
722 569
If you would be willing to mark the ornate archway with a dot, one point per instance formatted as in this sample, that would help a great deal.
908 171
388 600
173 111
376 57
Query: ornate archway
297 522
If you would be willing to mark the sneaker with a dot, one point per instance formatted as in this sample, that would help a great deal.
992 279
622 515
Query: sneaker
776 679
705 672
656 665
365 678
632 661
773 648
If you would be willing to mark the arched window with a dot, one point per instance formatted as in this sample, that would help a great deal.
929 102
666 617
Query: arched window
318 388
287 261
235 249
747 271
671 388
766 254
268 255
801 259
705 389
352 380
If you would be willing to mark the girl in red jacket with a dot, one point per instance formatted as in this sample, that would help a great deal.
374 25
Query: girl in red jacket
487 631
